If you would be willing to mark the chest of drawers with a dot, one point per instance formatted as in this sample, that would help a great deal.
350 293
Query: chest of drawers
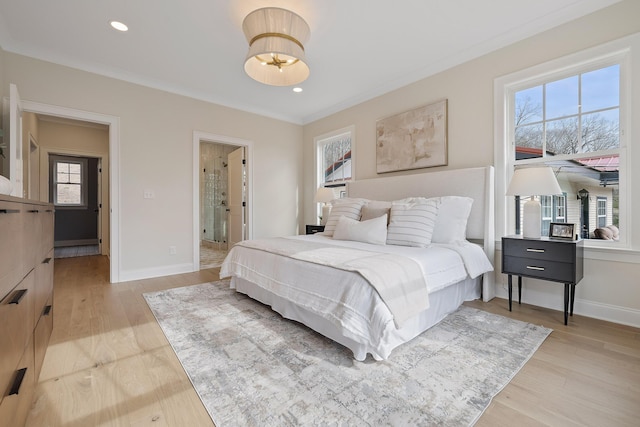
547 259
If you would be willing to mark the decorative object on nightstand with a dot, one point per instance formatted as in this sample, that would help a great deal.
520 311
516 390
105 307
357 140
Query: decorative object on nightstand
546 259
533 182
313 229
324 195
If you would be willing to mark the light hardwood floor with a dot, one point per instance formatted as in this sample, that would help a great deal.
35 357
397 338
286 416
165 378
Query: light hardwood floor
109 364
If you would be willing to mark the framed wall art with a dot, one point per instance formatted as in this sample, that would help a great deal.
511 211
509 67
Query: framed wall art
412 140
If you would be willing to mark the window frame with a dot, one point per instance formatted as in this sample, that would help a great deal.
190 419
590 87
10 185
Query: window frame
84 164
599 200
505 87
320 141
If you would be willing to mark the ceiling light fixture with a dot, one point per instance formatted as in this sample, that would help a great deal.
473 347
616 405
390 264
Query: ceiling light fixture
276 46
119 26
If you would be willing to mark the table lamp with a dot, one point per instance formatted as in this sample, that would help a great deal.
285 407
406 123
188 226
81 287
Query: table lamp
324 195
533 182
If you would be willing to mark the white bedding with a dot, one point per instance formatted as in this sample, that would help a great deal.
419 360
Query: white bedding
345 301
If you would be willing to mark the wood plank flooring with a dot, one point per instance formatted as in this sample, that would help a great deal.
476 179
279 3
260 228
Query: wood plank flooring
109 364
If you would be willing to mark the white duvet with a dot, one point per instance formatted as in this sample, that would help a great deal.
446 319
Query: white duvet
345 298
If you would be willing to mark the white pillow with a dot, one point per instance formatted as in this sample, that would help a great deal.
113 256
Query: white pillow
373 231
451 224
347 207
412 221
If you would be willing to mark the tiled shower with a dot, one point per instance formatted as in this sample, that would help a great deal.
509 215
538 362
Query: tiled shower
214 194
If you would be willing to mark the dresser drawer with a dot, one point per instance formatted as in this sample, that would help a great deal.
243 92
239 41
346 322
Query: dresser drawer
18 396
541 269
11 246
538 249
16 327
43 284
41 335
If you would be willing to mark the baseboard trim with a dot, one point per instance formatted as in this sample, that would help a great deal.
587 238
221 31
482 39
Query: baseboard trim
149 273
611 313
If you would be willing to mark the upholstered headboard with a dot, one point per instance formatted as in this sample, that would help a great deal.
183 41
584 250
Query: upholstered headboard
477 183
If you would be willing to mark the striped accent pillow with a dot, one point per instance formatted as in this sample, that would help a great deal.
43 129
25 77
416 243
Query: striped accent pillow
347 207
412 222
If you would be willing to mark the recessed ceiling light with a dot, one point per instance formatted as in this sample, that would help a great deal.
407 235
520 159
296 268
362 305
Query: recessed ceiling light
297 89
119 26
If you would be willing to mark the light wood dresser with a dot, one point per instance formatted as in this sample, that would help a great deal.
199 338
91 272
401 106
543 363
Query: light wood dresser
26 301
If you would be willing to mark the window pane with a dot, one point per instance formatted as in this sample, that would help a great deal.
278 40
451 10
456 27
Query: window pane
562 136
62 177
336 160
601 131
528 106
589 183
68 194
74 168
62 167
528 140
75 178
601 89
561 98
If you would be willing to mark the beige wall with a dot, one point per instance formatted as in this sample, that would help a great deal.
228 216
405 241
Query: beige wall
156 131
469 90
78 140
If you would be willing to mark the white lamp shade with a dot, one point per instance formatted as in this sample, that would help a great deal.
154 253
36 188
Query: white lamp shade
324 195
533 182
275 31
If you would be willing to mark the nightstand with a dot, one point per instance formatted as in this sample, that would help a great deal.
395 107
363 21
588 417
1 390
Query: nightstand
313 229
555 260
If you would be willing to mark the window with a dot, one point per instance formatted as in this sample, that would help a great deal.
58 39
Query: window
601 211
570 114
334 161
69 181
553 210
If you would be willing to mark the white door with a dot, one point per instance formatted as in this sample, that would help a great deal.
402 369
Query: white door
13 158
237 200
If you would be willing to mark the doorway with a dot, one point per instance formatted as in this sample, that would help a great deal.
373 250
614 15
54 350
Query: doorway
74 189
222 196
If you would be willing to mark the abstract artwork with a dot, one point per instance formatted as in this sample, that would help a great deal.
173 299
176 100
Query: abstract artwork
413 139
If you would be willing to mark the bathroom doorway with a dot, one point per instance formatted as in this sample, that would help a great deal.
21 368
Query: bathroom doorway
222 196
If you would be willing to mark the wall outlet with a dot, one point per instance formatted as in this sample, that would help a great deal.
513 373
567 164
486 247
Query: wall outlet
149 194
172 250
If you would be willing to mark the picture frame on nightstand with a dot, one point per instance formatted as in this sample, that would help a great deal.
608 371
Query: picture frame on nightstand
562 230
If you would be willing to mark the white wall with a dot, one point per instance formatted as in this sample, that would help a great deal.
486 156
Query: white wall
156 130
610 289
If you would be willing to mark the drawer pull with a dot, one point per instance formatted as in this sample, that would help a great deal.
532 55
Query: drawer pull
17 382
541 251
33 211
531 267
18 296
46 310
8 211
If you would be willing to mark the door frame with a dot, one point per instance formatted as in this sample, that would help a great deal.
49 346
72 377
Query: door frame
199 136
114 170
82 154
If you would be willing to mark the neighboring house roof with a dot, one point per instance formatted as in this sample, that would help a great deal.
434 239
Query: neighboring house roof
604 169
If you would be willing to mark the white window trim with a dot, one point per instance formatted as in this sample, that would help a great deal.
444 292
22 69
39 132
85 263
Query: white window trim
84 175
317 178
316 142
619 51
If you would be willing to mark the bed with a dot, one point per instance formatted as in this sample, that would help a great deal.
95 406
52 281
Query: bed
370 296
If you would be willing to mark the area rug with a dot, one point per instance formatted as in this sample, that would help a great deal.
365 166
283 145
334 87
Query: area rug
251 367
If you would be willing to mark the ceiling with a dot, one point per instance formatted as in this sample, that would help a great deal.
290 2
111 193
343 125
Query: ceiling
358 49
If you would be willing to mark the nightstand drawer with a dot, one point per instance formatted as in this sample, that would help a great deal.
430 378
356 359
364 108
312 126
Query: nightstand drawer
313 229
541 269
538 250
